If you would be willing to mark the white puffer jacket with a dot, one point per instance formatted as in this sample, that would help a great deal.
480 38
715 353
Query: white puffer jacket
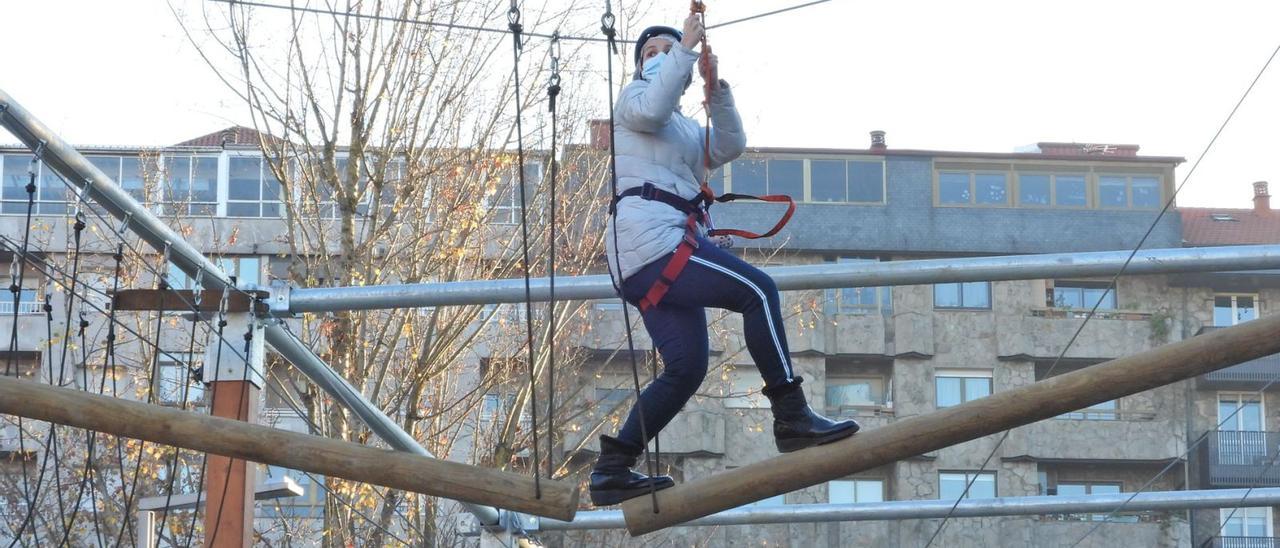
656 143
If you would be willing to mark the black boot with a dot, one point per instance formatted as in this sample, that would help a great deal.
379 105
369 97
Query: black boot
796 426
613 481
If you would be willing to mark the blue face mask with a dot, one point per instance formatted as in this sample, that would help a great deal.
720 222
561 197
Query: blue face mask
652 65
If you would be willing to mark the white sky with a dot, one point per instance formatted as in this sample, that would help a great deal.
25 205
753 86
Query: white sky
969 76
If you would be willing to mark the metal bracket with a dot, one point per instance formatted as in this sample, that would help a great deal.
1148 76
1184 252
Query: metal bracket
278 301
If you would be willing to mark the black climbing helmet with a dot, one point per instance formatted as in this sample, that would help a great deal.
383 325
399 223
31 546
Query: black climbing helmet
650 33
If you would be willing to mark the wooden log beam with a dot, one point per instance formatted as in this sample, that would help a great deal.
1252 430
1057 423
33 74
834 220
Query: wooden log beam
181 300
946 427
320 455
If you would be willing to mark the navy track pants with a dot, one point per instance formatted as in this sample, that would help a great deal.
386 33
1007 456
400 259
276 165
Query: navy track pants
678 326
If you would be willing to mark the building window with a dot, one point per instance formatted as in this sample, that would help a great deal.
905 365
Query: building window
786 177
957 386
1073 294
973 188
972 295
846 181
1246 523
1053 189
29 302
745 387
855 491
1072 489
826 180
191 185
252 189
1105 411
175 379
844 392
506 203
127 171
1128 191
1229 309
749 177
951 485
246 269
857 300
51 193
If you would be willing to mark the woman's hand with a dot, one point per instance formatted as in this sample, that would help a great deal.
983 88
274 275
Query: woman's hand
692 31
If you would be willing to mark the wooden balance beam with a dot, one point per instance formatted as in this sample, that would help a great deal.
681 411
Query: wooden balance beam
316 454
924 433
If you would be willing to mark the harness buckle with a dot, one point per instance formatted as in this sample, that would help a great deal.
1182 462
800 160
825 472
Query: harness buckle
648 191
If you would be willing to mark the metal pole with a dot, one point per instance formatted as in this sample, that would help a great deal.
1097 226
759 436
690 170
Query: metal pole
819 276
100 188
924 509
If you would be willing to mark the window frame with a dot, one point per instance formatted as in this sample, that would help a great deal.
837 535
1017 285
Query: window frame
1128 190
966 474
856 481
1235 315
963 374
973 174
834 380
224 188
1083 285
963 307
726 175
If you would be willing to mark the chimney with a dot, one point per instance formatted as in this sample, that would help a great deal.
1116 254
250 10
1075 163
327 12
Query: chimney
877 141
600 134
1261 198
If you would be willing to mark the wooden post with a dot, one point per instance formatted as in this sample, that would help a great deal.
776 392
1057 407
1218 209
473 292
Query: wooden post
924 433
235 379
319 455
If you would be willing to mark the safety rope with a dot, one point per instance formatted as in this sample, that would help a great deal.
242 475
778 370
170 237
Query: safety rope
513 22
607 22
553 90
15 287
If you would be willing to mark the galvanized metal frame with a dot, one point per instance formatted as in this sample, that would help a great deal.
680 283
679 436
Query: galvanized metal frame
924 509
818 276
100 188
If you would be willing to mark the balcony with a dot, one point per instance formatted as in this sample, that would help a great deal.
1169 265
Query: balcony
1242 542
1231 458
1085 435
1251 375
1042 333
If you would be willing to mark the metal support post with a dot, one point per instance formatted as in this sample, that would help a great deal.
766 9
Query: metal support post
925 509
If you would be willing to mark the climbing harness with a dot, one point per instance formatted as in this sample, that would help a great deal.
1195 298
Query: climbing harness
698 210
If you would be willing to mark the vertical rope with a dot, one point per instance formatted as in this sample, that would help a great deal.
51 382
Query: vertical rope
513 19
607 22
553 90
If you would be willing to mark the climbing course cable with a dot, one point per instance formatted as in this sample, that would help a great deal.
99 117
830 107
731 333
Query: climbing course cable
607 22
553 91
513 21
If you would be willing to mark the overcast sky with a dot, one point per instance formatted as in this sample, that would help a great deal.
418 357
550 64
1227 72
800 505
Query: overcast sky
970 76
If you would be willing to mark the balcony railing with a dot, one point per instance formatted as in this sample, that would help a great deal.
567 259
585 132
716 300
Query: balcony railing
1242 542
24 307
1250 375
1230 458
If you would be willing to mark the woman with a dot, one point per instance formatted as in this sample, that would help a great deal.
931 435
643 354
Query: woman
659 159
